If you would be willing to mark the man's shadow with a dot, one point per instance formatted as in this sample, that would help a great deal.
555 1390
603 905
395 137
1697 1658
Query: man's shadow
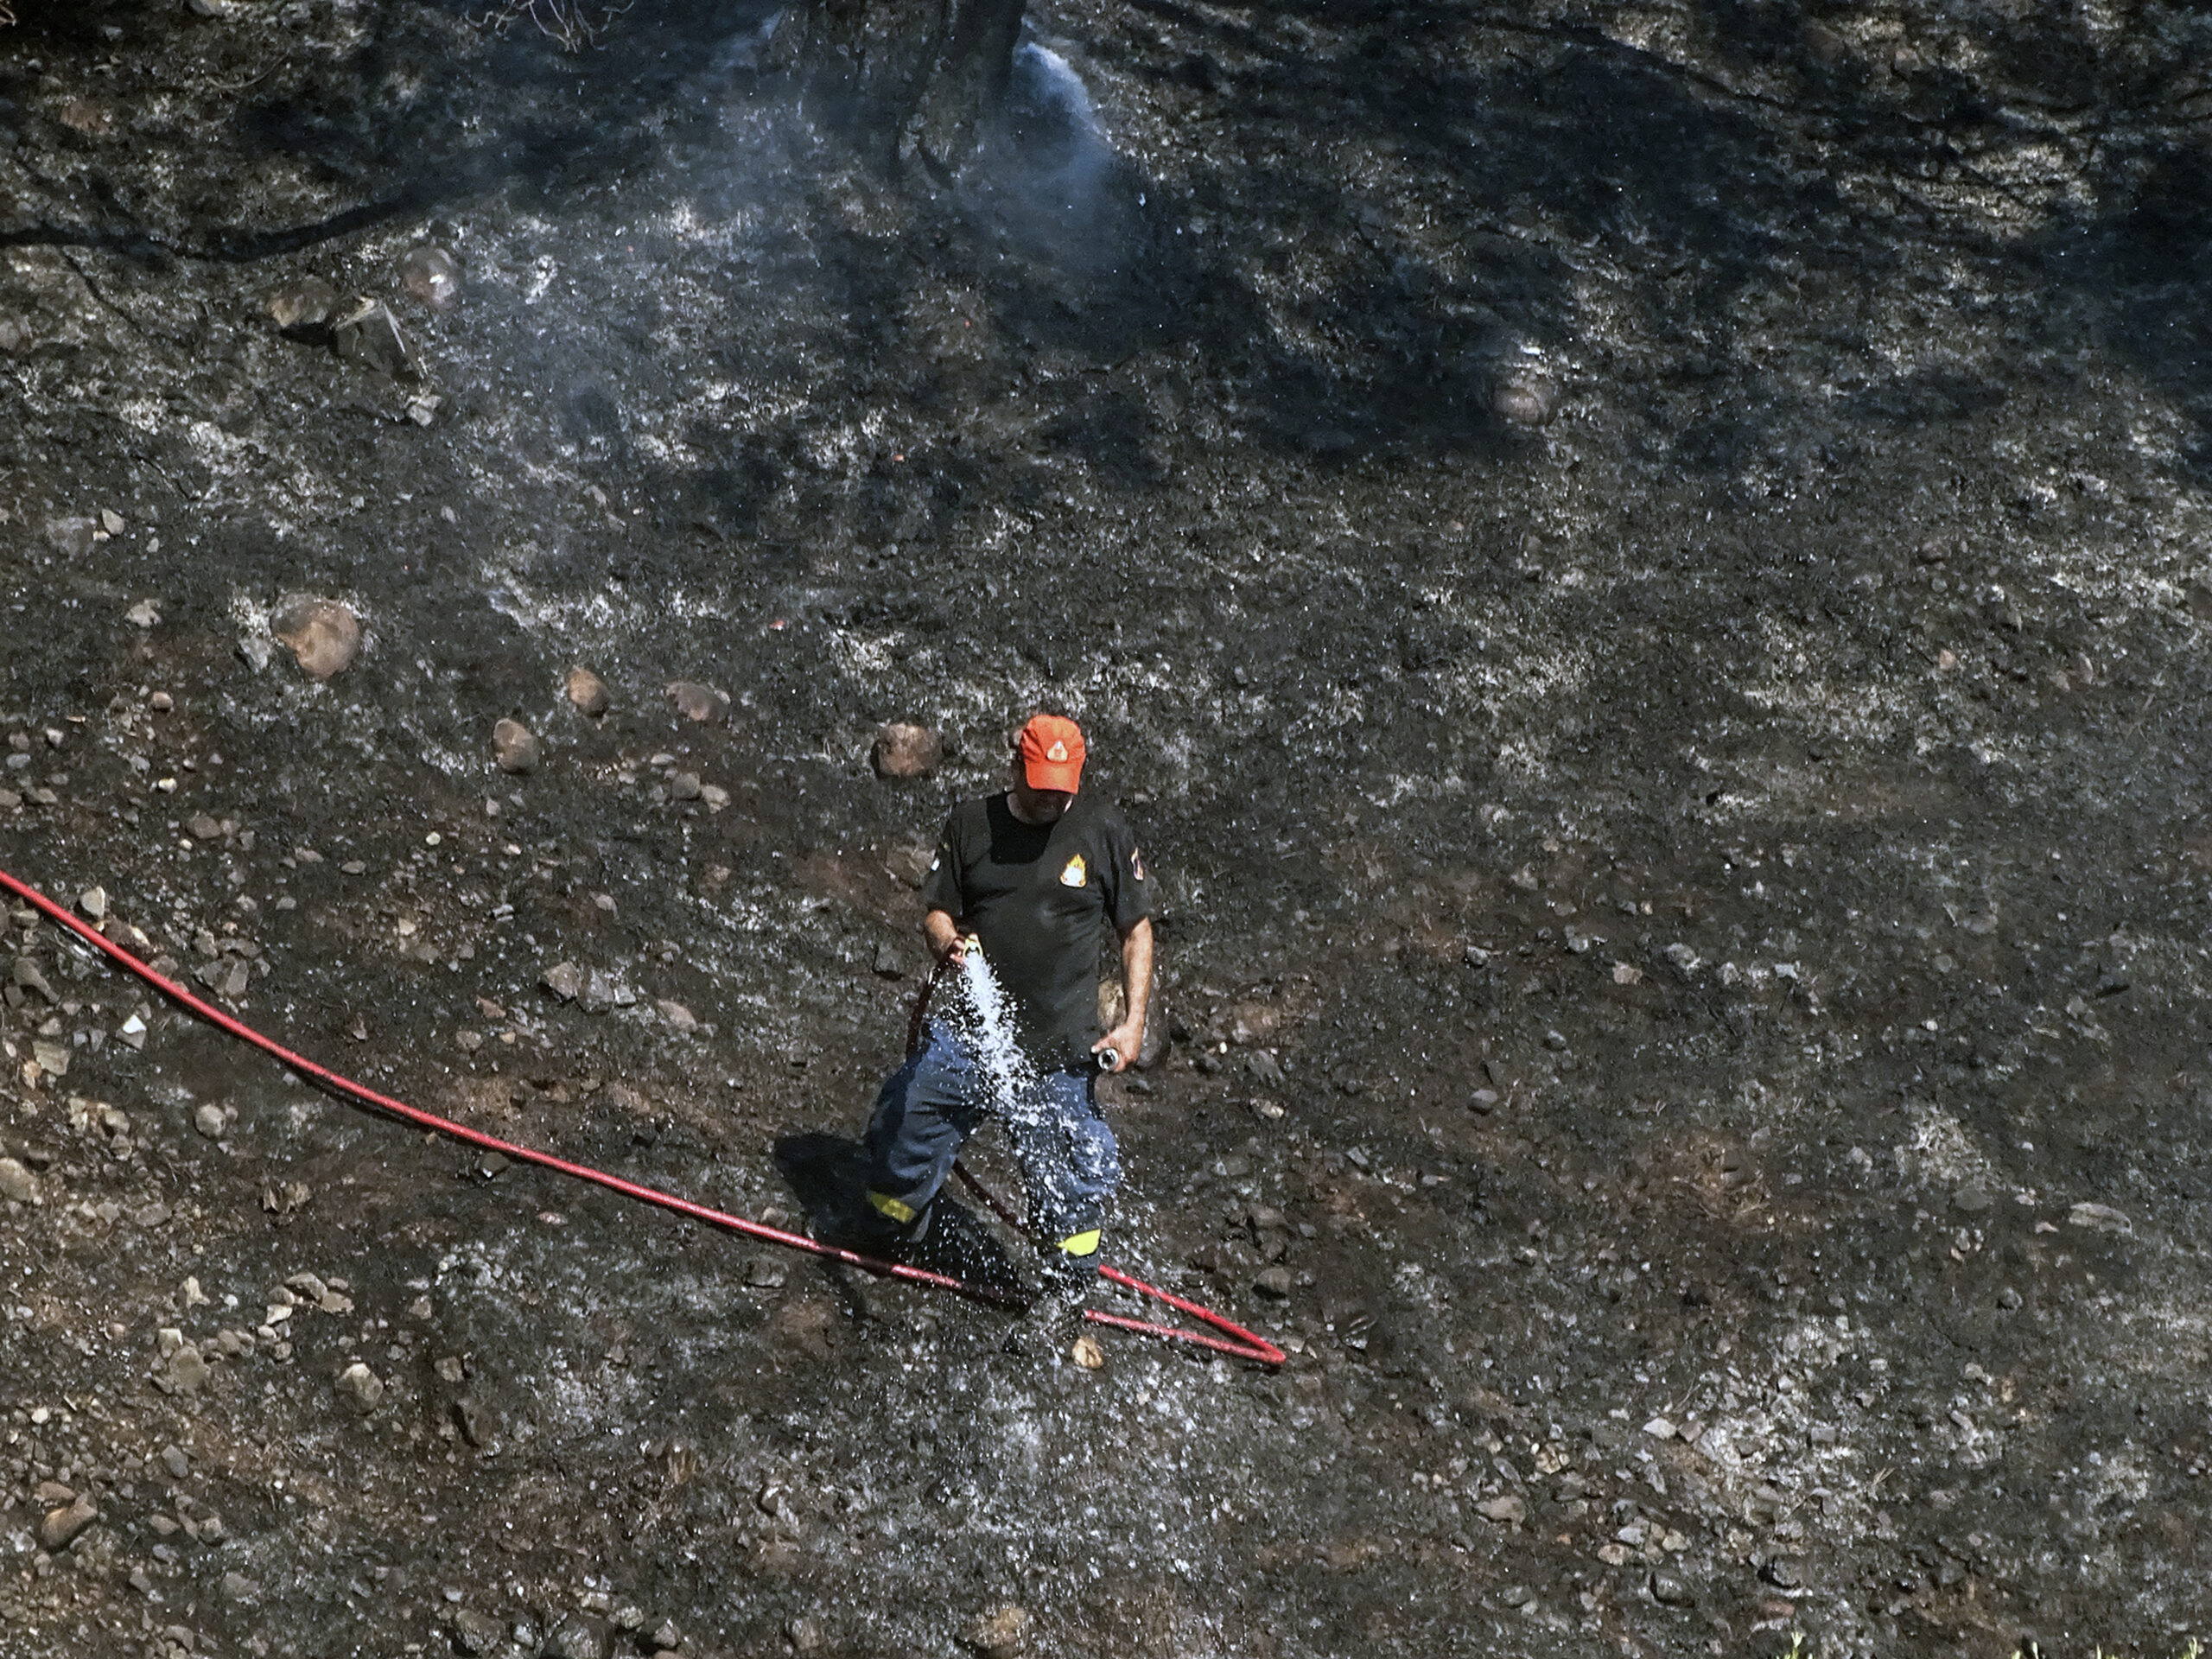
828 1176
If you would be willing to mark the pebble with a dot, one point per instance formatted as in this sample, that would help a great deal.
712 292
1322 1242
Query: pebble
93 902
2008 1299
177 1462
362 1386
475 1420
143 615
685 786
1004 1632
678 1017
514 747
187 1369
71 537
587 692
1086 1352
1510 1509
432 274
903 751
701 703
564 979
806 1634
2100 1217
17 1184
887 962
209 1121
1273 1282
62 1525
239 1587
1660 1428
1972 1198
305 306
1669 1589
666 1636
323 634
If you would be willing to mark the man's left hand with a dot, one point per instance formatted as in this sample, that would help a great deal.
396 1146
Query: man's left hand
1125 1040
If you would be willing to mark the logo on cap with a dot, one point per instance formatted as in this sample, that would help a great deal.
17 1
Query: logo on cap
1058 752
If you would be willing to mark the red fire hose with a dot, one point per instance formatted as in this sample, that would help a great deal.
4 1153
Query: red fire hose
1236 1341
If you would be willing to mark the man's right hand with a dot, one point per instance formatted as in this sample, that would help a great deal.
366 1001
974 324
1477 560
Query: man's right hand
947 943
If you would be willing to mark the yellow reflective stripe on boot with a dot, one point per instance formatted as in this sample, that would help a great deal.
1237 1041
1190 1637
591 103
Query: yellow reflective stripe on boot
884 1204
1082 1243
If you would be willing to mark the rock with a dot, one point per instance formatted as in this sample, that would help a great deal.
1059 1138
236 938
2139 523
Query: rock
678 1017
685 786
1781 1572
2100 1217
27 977
1508 1508
17 1185
370 336
187 1369
478 1426
304 308
475 1633
209 1121
1483 1100
701 703
432 274
666 1638
59 1526
1525 399
52 1058
564 979
904 751
324 635
2008 1299
1086 1352
629 1617
576 1640
71 537
174 1459
587 692
239 1587
514 747
1660 1428
1972 1198
1001 1632
1273 1282
227 976
93 902
360 1386
601 993
806 1634
887 962
1669 1589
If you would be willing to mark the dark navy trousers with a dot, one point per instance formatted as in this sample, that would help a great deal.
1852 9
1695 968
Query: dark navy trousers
932 1103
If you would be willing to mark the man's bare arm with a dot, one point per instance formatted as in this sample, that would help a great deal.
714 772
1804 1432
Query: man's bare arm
1125 1040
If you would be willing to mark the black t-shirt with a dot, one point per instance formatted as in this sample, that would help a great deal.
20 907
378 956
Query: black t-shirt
1040 897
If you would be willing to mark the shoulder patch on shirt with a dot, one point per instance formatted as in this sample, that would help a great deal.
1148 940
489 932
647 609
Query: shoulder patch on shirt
1137 863
1076 874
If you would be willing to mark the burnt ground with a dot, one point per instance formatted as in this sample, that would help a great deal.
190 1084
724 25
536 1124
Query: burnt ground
1641 571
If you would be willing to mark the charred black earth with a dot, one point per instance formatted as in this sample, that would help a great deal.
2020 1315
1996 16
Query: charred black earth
1641 570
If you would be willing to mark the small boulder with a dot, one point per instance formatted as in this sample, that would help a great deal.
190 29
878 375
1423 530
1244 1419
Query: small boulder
904 751
701 703
323 634
432 274
304 308
587 692
514 747
362 1388
370 336
1525 400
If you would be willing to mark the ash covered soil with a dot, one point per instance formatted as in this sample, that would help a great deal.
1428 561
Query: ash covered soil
1640 571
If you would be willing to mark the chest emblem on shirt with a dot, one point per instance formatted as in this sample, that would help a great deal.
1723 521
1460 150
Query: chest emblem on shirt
1074 874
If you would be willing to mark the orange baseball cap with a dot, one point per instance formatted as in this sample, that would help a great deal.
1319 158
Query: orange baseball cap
1052 752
